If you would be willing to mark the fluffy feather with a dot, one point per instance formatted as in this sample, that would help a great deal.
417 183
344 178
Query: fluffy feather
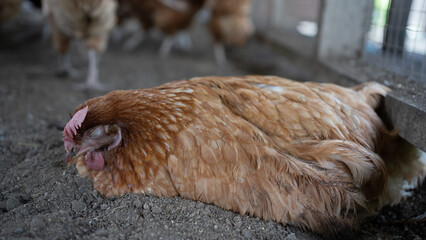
230 23
306 154
170 16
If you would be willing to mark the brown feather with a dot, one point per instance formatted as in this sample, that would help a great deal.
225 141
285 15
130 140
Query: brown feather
164 15
306 154
230 22
86 20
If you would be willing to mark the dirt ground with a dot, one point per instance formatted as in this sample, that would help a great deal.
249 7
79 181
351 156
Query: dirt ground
40 197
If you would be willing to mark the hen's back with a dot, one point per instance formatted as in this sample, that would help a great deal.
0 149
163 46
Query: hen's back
311 154
292 111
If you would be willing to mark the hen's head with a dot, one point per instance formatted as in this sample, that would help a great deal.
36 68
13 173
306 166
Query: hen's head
122 140
92 142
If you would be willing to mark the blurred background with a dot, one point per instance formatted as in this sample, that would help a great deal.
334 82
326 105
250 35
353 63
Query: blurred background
137 44
390 35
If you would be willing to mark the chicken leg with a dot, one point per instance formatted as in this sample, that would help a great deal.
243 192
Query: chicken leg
66 68
220 55
182 39
133 41
166 46
92 81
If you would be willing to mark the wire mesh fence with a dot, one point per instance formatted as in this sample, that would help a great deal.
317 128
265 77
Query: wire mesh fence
396 40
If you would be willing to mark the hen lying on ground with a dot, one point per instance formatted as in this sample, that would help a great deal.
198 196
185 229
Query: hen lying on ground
308 154
86 20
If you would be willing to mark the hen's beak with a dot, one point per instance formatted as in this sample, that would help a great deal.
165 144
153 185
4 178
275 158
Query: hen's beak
76 152
70 157
73 155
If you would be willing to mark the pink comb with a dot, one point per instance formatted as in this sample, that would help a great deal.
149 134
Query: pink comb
70 129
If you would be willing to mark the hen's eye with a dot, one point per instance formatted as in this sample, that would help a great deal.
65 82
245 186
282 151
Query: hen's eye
97 132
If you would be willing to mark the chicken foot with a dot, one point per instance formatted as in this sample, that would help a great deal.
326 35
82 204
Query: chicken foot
133 41
66 68
182 39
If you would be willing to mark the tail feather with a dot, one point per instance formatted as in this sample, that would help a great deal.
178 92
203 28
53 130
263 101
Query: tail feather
406 166
373 92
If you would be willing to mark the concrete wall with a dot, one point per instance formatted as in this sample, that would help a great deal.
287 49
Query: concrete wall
343 25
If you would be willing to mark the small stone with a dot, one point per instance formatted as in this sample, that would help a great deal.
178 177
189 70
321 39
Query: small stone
78 206
37 224
156 209
24 213
104 206
145 213
89 198
200 204
18 230
237 221
42 205
291 236
137 203
247 233
12 203
206 211
146 206
3 205
102 233
215 227
95 193
24 197
64 213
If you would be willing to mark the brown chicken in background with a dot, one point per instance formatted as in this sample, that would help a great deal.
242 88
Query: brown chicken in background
9 9
87 20
307 154
230 24
172 17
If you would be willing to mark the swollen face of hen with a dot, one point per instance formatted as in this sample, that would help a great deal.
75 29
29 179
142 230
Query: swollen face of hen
92 143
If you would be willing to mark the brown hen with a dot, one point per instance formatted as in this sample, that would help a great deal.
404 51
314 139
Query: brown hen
86 20
308 154
230 24
170 16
